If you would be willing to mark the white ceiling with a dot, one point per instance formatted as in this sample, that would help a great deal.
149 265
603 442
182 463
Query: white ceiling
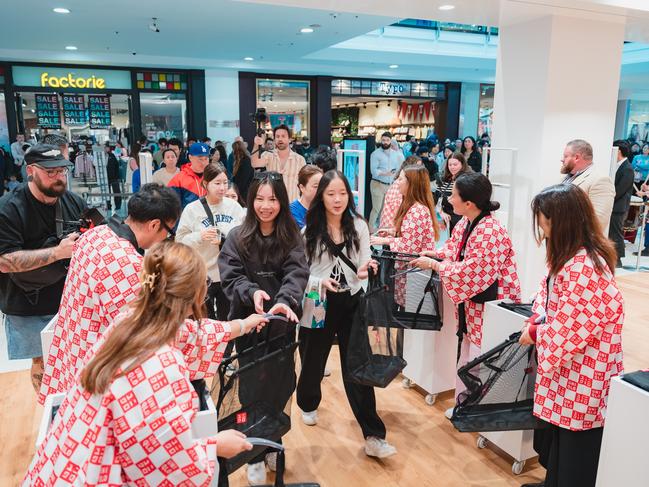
354 38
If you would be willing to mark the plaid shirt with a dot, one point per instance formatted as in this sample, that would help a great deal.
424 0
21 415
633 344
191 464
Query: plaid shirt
139 431
579 346
488 256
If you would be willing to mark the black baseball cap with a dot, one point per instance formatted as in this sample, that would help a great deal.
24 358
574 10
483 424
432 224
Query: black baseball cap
55 139
46 155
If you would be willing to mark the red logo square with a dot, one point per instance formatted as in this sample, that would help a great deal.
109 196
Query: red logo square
242 418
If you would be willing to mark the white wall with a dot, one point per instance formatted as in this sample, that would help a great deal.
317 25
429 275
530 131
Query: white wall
222 104
383 115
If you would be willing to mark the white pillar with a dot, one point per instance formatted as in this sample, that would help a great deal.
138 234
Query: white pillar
557 79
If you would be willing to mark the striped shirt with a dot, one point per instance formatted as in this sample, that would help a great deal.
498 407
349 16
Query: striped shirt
288 169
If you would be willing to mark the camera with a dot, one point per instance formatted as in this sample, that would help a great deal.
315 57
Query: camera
90 218
260 118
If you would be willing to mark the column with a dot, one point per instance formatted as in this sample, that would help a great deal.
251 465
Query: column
557 79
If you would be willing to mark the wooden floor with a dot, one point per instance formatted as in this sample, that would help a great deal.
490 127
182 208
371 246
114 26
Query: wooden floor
430 452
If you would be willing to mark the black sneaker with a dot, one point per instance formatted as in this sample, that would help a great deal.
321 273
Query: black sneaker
644 253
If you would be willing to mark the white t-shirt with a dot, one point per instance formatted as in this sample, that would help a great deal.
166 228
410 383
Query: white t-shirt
227 215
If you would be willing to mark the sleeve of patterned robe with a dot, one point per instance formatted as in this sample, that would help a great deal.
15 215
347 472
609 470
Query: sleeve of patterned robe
203 345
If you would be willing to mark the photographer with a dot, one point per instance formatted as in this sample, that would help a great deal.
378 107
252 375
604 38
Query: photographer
282 160
104 280
34 251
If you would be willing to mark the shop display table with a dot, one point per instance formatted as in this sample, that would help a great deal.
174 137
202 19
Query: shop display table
431 355
499 324
623 458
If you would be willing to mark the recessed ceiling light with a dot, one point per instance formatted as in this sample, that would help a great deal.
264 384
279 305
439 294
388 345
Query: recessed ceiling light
306 30
393 66
61 10
248 58
446 7
71 48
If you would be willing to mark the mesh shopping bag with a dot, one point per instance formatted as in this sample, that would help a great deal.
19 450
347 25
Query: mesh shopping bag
374 355
404 296
253 390
499 392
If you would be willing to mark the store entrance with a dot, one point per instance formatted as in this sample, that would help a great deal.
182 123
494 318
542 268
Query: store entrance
372 115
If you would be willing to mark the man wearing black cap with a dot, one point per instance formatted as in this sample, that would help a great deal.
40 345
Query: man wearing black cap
35 245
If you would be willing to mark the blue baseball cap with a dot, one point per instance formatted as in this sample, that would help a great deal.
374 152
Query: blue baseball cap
198 149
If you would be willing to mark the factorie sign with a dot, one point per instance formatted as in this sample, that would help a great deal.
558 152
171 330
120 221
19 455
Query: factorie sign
71 81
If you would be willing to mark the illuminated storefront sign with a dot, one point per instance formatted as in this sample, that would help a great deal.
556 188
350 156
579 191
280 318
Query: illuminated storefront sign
71 78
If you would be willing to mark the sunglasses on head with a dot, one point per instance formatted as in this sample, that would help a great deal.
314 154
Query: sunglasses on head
268 176
170 231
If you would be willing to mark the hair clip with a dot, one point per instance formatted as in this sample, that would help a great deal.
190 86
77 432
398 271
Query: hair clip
149 280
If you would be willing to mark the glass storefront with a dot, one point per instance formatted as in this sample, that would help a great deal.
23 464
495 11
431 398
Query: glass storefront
164 115
286 102
637 126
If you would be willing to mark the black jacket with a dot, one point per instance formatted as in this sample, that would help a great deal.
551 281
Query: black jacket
475 161
244 177
284 278
623 187
112 168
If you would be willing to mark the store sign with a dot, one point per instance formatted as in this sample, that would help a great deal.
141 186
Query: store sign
390 88
48 111
99 111
84 79
74 110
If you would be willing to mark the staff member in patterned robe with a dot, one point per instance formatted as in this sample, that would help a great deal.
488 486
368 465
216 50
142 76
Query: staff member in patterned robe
127 420
579 345
477 263
103 278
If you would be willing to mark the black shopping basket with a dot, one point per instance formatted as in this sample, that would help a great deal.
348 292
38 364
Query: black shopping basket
404 296
253 390
374 354
499 392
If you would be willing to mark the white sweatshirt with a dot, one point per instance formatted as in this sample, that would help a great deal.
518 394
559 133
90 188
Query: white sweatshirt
227 215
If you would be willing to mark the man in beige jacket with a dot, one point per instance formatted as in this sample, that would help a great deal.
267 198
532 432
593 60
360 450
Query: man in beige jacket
577 165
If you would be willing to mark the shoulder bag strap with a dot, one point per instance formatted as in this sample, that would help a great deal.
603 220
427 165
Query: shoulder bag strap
338 253
208 212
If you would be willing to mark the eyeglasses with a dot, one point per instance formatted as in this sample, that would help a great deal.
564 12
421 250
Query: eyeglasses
170 231
53 173
268 176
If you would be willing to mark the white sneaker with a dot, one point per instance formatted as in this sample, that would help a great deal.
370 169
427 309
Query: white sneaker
327 372
271 461
378 447
257 473
449 413
310 418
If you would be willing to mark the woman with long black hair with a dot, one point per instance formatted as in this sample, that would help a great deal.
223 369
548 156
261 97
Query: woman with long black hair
263 269
579 344
338 251
477 263
470 152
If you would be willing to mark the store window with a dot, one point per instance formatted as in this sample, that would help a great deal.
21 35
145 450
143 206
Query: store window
637 127
4 126
486 110
163 115
286 102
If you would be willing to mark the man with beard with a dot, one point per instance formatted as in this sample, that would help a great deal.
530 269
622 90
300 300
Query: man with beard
35 248
577 165
384 164
282 160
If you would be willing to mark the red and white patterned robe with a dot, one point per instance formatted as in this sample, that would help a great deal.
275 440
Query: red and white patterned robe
579 346
103 278
488 256
417 234
139 431
391 204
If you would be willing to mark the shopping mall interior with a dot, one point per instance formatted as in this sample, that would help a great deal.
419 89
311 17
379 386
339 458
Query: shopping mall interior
527 76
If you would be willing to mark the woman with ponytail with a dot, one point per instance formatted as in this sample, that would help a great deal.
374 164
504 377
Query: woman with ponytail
128 419
476 264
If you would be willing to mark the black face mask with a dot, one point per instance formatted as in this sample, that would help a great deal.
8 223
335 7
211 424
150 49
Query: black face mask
385 146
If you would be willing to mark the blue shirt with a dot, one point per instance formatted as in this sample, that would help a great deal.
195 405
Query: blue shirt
385 161
641 167
299 213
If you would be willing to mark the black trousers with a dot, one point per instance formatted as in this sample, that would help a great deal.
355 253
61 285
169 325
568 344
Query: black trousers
218 306
571 458
116 189
616 232
315 345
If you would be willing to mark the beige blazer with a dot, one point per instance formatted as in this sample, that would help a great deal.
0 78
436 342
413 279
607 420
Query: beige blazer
601 191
